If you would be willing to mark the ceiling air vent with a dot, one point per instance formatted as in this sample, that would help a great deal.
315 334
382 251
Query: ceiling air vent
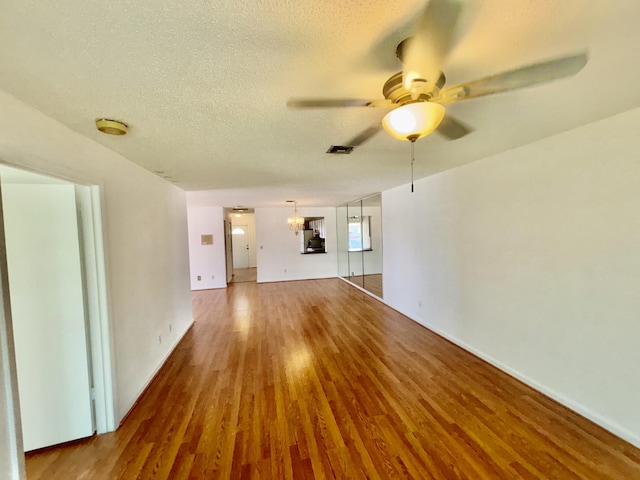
340 149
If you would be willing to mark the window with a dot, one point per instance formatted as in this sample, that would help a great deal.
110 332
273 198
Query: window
359 233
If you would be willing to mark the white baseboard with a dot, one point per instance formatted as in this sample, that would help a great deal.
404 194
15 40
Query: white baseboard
372 295
605 423
577 407
155 371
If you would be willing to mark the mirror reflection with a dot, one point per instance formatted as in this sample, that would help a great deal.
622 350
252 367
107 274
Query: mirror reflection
313 236
354 210
372 233
359 233
360 243
342 241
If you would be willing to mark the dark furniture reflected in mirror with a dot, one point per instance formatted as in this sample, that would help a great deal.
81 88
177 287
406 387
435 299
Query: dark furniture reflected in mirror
313 236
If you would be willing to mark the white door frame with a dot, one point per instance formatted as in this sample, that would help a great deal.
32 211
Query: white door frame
100 335
89 201
12 463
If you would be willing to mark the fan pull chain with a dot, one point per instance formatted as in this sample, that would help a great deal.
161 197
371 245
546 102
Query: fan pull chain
413 159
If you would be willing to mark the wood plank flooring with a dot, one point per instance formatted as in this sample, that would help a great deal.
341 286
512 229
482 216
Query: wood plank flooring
315 379
241 275
372 283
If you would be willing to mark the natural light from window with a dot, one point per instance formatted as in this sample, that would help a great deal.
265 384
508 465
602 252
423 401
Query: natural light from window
359 233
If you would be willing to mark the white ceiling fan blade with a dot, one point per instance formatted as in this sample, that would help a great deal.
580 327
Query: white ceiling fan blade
424 54
514 79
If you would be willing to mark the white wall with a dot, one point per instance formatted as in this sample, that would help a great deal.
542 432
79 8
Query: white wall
145 227
278 249
206 261
530 259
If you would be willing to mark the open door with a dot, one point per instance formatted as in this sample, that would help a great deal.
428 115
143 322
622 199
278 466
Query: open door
48 310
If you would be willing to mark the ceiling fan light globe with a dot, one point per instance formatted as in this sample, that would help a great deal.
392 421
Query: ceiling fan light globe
414 120
402 121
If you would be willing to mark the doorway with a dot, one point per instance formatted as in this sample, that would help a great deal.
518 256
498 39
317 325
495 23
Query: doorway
57 293
243 246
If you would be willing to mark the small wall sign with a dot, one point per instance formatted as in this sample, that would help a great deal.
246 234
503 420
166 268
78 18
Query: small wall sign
206 239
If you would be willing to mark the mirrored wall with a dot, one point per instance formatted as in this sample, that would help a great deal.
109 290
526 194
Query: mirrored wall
360 243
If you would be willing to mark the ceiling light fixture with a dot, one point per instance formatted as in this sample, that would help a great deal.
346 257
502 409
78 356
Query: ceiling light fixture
239 210
296 223
413 120
111 127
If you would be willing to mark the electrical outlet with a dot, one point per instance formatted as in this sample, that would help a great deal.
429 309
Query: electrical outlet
199 278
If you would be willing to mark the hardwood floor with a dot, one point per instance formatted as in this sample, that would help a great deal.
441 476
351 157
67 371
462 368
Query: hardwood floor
241 275
373 283
315 379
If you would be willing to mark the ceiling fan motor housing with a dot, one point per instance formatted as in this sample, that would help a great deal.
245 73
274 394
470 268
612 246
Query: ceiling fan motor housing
394 90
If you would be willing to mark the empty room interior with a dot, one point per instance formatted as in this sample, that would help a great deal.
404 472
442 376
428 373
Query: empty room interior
309 239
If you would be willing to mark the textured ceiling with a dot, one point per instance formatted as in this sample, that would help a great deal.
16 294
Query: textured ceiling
203 84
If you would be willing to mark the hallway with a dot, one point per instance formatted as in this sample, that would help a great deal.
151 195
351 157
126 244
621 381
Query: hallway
242 275
314 379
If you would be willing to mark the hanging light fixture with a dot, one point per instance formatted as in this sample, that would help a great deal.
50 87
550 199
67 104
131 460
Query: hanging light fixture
296 223
413 120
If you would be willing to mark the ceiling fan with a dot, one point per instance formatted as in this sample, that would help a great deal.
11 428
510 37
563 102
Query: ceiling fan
416 96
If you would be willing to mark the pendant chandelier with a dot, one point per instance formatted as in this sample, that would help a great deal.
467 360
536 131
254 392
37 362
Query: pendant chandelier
296 223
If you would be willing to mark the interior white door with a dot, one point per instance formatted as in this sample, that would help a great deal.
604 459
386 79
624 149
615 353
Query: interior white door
45 286
240 242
